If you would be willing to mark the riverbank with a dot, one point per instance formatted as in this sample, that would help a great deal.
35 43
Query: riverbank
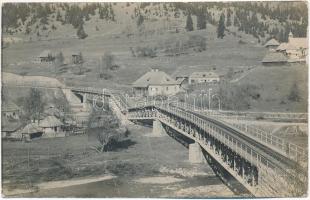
142 167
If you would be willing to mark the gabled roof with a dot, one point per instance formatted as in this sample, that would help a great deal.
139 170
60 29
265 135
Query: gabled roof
9 106
274 57
154 77
31 128
50 121
204 75
45 53
272 42
282 47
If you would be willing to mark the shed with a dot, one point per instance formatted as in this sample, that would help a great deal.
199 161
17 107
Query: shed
31 131
51 124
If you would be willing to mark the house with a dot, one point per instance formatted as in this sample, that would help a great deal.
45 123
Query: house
272 44
52 127
10 128
274 58
46 56
76 57
31 131
296 49
203 77
10 110
155 83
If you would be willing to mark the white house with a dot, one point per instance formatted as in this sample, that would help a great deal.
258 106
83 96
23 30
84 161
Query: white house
203 77
155 83
296 49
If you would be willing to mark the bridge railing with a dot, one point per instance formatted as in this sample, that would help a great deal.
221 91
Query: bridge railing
278 144
243 149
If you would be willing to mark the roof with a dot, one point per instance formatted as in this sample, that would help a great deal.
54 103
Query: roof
45 53
31 128
50 121
76 53
204 75
282 47
9 106
294 43
272 42
274 57
154 77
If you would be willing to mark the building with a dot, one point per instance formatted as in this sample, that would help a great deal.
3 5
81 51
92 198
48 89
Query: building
272 44
10 110
76 57
31 131
52 127
203 77
296 49
46 56
274 58
155 83
10 128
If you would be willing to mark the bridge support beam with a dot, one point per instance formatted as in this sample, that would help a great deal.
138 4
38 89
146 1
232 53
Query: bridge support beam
158 129
195 153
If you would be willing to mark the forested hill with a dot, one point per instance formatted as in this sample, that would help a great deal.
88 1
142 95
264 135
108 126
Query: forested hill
260 19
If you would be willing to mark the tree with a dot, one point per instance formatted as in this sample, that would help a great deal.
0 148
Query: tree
228 21
294 93
103 125
189 23
81 33
221 27
81 62
201 21
34 105
140 20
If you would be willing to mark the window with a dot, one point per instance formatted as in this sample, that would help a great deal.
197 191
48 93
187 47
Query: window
204 75
167 88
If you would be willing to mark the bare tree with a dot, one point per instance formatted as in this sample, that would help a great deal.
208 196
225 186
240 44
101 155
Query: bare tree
34 105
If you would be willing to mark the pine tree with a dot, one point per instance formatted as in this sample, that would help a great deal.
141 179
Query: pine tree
189 23
228 21
81 33
201 21
221 27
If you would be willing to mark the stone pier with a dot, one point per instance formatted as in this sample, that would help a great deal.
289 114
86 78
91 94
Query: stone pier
195 153
158 129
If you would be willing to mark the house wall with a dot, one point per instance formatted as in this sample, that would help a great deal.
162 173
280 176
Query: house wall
11 114
155 90
203 80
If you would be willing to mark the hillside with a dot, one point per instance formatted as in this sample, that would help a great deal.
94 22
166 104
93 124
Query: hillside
159 41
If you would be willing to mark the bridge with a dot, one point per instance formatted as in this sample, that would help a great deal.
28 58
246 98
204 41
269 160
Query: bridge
266 166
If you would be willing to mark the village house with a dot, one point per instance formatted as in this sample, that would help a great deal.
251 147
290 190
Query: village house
52 127
31 131
203 77
10 128
296 49
274 58
155 83
46 57
272 44
10 110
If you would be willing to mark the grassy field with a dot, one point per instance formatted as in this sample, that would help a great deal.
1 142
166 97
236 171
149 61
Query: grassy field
25 165
274 83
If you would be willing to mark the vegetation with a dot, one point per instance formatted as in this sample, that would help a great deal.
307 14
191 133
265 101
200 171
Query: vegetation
221 27
105 127
34 105
189 23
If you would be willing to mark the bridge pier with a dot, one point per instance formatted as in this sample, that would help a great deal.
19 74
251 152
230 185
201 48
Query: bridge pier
158 129
84 100
195 153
